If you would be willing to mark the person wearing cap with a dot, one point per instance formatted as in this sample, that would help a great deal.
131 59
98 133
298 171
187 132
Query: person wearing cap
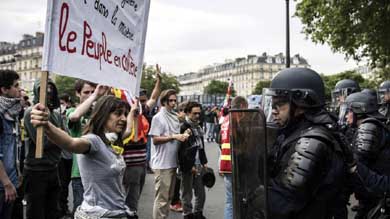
192 161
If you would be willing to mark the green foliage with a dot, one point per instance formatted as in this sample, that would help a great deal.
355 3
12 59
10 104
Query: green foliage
217 87
359 29
66 85
260 85
149 79
382 75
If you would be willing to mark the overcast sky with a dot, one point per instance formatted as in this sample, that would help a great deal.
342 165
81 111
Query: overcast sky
186 35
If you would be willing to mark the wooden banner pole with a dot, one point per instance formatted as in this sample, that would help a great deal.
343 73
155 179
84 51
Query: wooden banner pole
42 100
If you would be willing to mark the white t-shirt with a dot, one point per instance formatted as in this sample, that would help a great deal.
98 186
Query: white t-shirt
102 174
163 156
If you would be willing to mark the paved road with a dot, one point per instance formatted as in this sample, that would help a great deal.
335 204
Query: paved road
215 197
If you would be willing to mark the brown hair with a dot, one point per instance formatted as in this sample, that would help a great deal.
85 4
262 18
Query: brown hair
190 105
80 84
101 113
165 94
182 106
238 101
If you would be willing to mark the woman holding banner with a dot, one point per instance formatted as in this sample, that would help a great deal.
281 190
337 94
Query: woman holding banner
99 156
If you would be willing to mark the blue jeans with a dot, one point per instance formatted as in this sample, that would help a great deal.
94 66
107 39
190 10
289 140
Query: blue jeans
228 213
78 191
148 145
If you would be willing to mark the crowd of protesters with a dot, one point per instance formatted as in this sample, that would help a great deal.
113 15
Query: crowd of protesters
103 147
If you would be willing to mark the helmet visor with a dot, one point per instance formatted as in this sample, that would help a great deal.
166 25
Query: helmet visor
339 96
344 110
274 99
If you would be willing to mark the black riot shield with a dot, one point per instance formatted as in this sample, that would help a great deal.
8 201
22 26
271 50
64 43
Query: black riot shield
249 163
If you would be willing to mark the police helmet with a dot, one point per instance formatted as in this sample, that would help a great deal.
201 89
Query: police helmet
342 89
303 86
350 84
384 88
362 103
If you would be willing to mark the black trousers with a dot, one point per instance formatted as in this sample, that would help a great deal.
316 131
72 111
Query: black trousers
64 172
42 194
176 194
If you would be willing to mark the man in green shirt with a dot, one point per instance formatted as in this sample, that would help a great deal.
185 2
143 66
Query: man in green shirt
77 118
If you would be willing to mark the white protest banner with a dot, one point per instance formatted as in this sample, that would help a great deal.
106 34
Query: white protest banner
97 40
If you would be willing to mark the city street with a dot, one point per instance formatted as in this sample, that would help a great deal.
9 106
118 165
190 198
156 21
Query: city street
215 197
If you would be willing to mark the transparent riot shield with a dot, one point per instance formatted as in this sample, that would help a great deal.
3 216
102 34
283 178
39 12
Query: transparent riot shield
249 166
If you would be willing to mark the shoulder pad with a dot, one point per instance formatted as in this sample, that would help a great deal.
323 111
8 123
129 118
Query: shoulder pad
368 139
305 163
375 121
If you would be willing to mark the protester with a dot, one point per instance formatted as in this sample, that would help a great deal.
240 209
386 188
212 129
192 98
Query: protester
211 120
192 161
147 110
99 156
225 164
77 119
41 181
65 165
10 108
165 130
65 102
176 204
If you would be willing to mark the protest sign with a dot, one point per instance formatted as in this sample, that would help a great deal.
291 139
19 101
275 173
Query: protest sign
97 40
101 41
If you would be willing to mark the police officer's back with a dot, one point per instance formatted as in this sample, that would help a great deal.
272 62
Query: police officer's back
307 173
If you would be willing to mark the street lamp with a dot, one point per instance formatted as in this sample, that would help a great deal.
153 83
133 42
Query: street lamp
287 34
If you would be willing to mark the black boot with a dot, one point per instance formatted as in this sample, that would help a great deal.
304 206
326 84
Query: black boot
199 215
189 216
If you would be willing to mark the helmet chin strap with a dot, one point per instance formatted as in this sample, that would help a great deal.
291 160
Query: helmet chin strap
354 120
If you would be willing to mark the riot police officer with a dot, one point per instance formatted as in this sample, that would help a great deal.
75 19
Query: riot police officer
342 89
384 99
307 172
369 144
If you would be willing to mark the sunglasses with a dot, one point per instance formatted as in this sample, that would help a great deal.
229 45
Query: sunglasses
172 100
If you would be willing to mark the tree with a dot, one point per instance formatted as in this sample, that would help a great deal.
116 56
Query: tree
66 85
217 88
149 79
381 75
359 29
260 85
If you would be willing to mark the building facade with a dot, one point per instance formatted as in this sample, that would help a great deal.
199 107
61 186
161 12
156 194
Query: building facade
245 73
24 57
